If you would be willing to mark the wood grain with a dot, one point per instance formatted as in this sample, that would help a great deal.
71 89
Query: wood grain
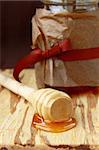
84 136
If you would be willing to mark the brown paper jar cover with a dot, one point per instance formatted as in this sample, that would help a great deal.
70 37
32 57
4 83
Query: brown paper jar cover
48 29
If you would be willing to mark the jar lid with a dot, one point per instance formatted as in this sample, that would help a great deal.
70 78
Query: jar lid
58 2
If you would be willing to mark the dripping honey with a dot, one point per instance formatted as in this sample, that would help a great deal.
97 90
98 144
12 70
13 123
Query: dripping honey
39 123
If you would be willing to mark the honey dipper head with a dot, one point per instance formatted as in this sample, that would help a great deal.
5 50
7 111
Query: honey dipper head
60 109
53 105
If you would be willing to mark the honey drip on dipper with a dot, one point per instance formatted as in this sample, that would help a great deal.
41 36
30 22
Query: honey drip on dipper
56 115
39 123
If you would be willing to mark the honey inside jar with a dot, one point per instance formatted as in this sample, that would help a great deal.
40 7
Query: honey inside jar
39 123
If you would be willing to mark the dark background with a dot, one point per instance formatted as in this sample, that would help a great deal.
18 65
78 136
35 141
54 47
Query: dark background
15 30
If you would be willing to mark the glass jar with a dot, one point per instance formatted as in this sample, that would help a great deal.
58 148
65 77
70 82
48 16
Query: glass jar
67 33
81 28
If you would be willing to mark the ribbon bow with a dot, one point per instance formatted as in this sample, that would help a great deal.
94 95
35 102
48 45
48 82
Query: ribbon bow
63 51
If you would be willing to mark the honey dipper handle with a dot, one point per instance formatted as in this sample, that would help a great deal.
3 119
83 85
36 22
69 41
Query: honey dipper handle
52 105
15 86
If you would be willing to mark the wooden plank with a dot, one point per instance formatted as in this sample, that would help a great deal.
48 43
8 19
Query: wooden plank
86 132
15 116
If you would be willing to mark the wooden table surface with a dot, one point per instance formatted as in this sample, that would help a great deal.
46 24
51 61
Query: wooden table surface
84 136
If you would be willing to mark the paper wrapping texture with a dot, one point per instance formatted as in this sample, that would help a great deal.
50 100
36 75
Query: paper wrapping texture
48 29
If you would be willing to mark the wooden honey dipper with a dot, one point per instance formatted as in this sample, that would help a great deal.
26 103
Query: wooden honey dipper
52 105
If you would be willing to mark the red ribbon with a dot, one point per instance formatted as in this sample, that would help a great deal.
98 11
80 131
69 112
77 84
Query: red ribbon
62 51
